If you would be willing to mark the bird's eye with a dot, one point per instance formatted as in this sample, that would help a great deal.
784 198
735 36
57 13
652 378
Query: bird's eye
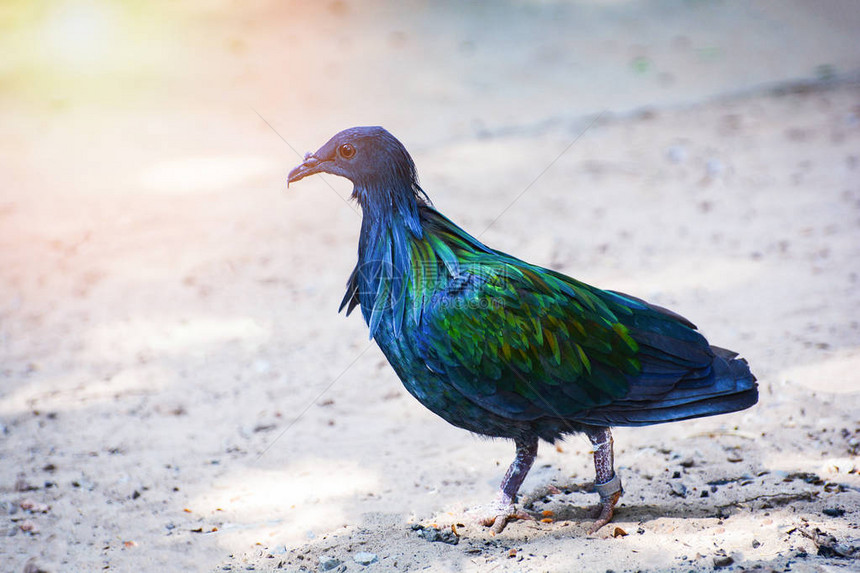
346 151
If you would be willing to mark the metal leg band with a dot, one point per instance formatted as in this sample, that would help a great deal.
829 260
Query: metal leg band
608 489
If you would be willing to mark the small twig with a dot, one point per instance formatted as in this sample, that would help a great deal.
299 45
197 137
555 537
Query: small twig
782 497
714 434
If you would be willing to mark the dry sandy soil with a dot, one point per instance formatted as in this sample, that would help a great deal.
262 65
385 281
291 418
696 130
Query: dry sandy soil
178 393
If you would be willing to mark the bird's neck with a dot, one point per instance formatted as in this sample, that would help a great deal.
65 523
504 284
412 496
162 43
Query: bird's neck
390 218
390 223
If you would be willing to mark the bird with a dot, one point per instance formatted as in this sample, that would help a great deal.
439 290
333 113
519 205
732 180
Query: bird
507 349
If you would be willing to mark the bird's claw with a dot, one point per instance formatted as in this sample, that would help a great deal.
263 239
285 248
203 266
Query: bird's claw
603 512
497 515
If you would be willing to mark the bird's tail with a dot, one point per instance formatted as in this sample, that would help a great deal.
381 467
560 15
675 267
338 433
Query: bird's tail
733 388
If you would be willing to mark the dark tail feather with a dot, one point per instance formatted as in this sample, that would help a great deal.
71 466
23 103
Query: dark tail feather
733 388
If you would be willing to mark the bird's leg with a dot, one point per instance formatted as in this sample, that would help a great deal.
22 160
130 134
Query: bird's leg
502 509
606 481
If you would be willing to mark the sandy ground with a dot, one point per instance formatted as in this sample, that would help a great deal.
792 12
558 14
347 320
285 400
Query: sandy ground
177 392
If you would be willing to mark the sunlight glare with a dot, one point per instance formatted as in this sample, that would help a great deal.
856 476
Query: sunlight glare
201 174
80 36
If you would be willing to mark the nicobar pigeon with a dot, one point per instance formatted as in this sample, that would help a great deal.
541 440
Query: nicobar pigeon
507 349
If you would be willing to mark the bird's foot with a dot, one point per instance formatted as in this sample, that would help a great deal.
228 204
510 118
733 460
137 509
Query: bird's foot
497 515
602 512
610 492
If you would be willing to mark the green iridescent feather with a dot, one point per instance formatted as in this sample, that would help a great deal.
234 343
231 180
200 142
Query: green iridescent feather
504 326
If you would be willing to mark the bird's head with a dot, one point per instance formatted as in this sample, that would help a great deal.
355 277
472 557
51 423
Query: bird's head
378 165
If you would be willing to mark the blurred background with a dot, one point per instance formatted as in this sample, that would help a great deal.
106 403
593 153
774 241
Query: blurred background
441 70
124 97
167 308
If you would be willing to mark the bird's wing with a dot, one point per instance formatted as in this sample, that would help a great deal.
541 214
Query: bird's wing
525 342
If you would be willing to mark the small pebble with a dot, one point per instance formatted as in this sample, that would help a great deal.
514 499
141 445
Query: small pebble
833 512
722 561
678 489
714 167
756 543
29 527
433 534
328 563
34 506
676 153
364 558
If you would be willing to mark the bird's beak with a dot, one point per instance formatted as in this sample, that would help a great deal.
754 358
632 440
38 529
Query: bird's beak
312 164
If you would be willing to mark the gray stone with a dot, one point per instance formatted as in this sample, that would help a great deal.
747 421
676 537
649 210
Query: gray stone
328 563
364 558
678 489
